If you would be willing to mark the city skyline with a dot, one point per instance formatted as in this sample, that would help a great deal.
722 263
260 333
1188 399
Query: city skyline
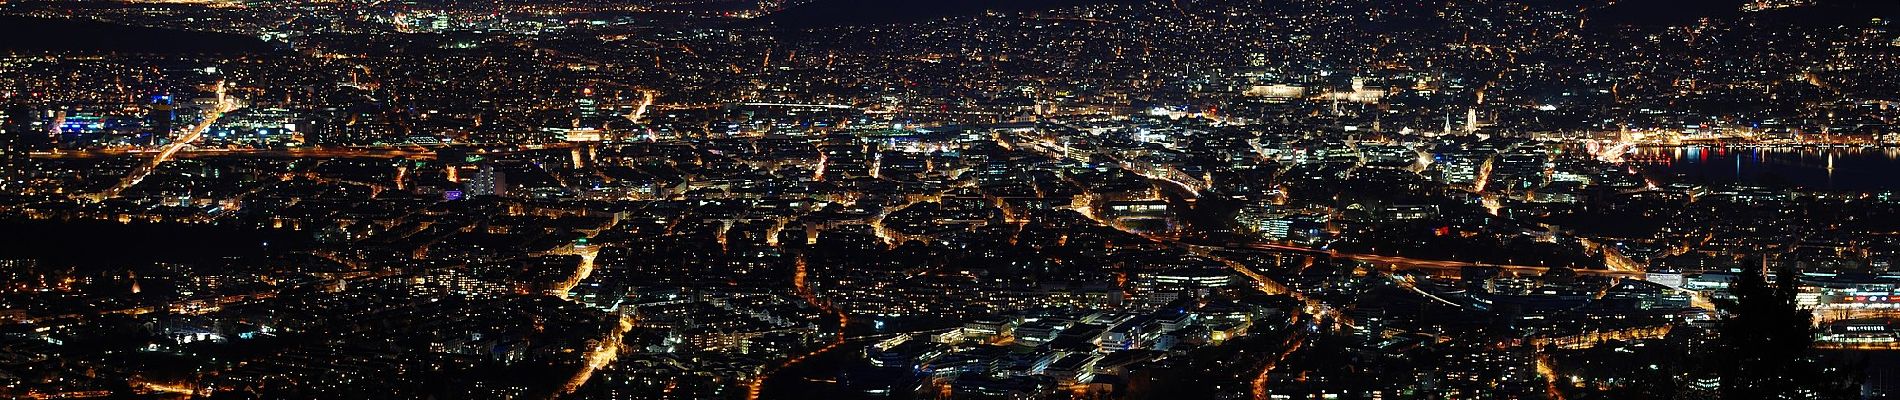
842 199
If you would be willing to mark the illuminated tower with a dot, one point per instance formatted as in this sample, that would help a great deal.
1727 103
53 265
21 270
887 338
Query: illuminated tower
159 118
1471 120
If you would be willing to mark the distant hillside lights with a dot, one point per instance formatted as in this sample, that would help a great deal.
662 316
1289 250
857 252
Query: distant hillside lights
1765 5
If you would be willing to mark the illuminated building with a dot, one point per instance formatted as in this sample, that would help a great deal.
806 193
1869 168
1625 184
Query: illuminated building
487 181
20 119
159 117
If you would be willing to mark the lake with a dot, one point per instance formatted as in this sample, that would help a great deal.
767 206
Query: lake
1861 169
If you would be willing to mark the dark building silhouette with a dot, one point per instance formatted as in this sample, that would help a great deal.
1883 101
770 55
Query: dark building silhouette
158 119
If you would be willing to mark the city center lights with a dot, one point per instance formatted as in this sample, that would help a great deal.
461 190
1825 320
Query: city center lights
970 199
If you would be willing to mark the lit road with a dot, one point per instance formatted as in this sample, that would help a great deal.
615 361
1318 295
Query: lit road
608 348
1294 341
225 103
889 237
641 111
804 291
1548 370
587 253
605 351
1054 150
1421 264
1316 311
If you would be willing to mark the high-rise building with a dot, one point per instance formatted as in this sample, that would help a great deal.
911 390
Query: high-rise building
36 128
158 120
587 107
487 182
22 122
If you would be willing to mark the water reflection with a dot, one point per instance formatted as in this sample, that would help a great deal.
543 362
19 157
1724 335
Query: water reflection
1823 168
